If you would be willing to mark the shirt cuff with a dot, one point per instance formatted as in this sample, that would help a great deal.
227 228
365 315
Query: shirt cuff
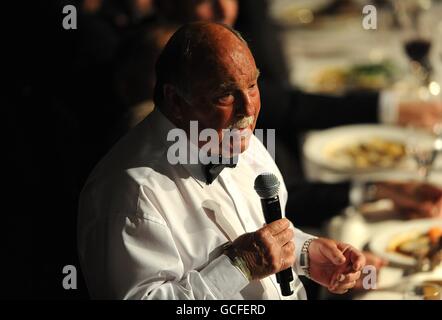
388 111
223 278
300 238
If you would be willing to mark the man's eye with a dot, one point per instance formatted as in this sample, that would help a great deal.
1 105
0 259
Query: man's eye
226 99
252 89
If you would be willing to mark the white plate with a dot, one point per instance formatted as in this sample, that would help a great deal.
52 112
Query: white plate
318 146
379 242
287 11
279 7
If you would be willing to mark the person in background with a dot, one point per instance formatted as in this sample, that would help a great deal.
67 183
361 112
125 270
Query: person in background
134 75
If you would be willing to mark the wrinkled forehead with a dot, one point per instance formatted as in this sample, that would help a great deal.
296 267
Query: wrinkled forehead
222 60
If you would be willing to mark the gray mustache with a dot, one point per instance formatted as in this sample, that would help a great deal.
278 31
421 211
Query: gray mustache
242 123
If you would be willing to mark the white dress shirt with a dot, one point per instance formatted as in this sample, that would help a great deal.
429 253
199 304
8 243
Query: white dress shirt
152 230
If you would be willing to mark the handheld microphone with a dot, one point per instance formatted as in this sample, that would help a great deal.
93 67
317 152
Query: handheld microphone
267 187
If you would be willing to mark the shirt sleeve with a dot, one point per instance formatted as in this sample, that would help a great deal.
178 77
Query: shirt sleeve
300 238
157 270
142 262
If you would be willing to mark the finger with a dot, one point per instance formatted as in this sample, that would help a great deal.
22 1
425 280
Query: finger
349 277
331 251
288 254
357 259
342 284
342 276
289 249
335 279
374 260
343 287
284 236
346 286
277 226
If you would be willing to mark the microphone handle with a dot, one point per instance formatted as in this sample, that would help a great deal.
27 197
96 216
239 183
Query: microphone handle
271 209
272 212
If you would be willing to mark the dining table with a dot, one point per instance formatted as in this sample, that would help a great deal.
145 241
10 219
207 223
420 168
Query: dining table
360 226
317 43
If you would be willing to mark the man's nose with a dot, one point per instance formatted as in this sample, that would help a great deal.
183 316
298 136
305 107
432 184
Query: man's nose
245 106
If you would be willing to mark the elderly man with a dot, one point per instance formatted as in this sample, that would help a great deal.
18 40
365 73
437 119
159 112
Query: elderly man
150 229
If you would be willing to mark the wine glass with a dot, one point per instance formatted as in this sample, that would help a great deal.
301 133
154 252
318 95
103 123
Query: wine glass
421 147
416 35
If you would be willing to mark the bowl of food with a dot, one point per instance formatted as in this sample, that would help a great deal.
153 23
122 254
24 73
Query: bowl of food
358 148
360 77
410 243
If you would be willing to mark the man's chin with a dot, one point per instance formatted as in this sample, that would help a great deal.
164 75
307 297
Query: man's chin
236 150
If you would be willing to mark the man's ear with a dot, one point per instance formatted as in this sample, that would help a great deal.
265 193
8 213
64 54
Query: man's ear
173 100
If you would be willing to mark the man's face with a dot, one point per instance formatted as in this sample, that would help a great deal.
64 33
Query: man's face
224 92
224 11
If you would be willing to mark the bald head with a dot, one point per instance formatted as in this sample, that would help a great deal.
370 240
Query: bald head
196 49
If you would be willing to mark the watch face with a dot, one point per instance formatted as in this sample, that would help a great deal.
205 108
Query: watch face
304 260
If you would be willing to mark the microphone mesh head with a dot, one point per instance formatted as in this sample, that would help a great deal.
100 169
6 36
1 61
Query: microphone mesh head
267 185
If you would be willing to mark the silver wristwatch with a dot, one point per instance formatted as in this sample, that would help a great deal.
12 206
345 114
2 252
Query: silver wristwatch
304 260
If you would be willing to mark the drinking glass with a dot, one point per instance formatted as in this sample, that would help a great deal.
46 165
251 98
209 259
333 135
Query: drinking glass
421 147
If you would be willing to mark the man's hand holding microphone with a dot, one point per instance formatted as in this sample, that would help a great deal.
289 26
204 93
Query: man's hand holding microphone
271 249
266 251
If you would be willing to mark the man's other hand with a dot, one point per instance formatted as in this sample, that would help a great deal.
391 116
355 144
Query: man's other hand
335 265
412 199
423 114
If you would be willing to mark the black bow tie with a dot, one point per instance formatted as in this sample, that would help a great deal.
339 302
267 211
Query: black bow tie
213 170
